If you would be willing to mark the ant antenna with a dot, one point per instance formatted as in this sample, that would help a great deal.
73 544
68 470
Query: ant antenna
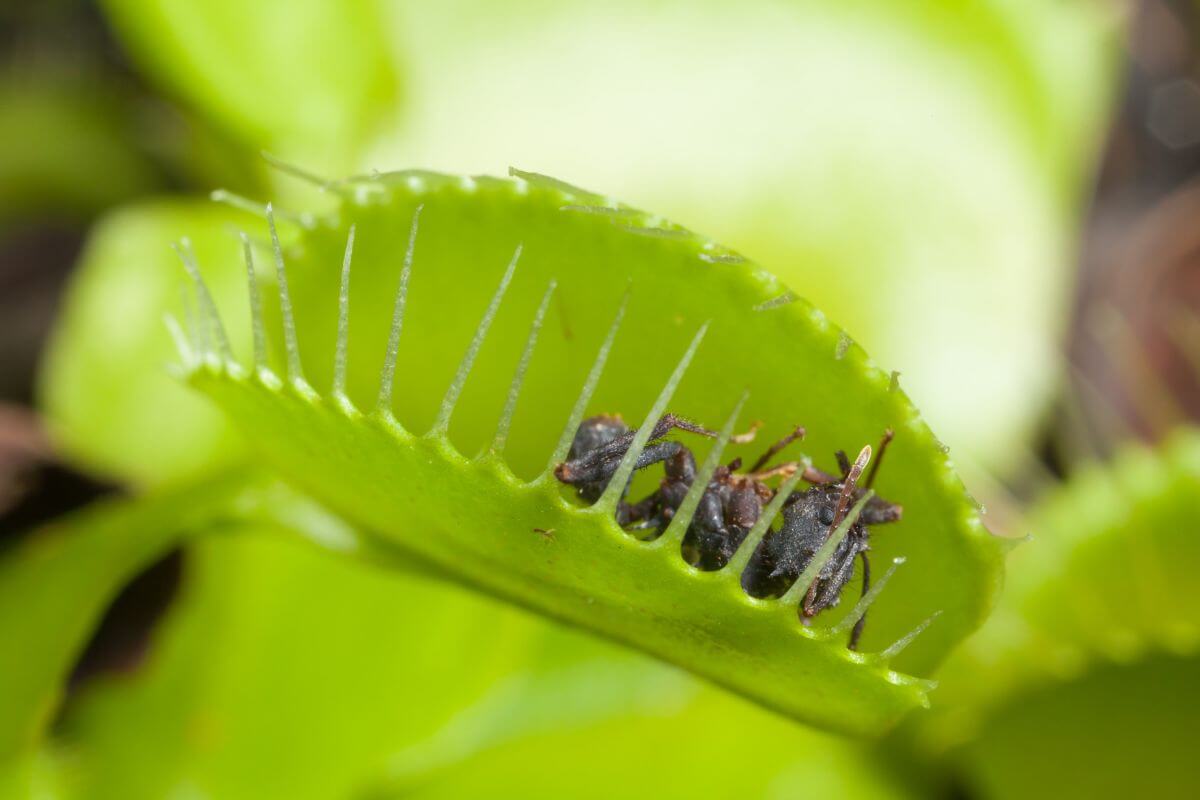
888 435
774 449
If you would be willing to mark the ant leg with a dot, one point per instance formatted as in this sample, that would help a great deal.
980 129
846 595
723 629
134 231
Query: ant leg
843 462
888 435
819 476
629 513
774 449
862 621
670 421
810 473
599 465
786 470
654 453
828 589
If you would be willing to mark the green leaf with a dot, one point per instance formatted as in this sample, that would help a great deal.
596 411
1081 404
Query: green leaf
1114 575
477 518
277 653
1120 730
36 775
690 744
58 580
310 77
1092 653
74 175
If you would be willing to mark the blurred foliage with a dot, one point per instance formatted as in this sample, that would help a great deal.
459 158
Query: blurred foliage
708 745
277 654
250 673
82 161
308 76
1120 730
1083 670
1110 571
914 169
917 170
1107 577
56 582
928 122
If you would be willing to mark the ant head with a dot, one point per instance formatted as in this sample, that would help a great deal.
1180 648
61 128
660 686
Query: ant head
595 432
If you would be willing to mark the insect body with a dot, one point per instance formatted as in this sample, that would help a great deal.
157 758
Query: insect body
728 508
731 504
809 518
598 447
655 512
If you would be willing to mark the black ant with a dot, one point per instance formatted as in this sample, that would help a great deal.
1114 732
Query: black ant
727 510
598 447
808 519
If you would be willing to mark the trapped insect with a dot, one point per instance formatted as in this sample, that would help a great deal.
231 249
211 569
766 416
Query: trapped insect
808 519
599 445
732 503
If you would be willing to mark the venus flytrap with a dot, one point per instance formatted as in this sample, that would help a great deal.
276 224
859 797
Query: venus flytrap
1105 580
1088 664
379 449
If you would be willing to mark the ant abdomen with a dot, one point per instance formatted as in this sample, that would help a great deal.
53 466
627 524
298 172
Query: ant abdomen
710 541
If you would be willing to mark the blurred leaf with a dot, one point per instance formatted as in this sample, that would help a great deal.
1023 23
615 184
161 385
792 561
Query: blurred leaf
104 389
710 746
1082 682
1111 572
36 775
404 488
583 717
283 671
915 169
56 582
1108 577
569 684
306 76
1118 731
67 146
